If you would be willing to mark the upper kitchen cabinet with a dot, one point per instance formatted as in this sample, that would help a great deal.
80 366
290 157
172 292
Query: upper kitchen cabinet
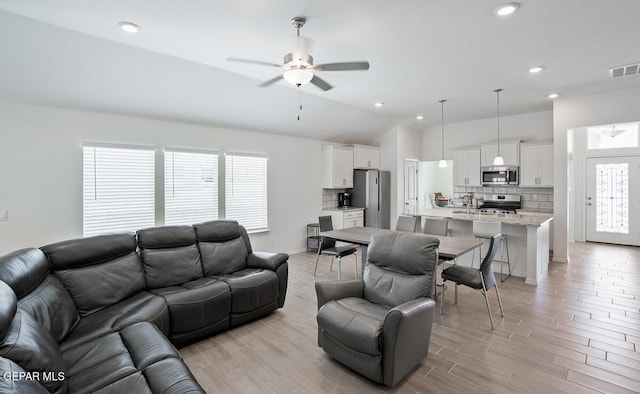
466 167
366 157
509 151
338 167
536 167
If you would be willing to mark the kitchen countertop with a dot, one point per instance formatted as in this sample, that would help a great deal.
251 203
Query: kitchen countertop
350 209
517 219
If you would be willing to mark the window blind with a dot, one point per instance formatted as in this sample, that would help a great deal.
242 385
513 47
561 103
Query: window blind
118 189
190 187
246 190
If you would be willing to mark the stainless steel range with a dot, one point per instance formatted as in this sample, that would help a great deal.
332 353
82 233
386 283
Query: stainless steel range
500 203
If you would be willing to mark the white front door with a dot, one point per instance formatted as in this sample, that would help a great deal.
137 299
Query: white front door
410 186
613 200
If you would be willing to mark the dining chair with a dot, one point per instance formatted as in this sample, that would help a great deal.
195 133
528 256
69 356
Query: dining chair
436 227
327 247
481 279
485 230
407 223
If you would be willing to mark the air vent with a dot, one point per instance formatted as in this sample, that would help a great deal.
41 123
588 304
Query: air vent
623 71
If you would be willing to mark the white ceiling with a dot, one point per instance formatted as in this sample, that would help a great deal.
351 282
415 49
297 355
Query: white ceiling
71 53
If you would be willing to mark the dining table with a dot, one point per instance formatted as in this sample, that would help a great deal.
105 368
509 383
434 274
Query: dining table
450 248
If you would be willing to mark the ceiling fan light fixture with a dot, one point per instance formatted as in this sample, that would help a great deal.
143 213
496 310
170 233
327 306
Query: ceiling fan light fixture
129 27
298 76
507 9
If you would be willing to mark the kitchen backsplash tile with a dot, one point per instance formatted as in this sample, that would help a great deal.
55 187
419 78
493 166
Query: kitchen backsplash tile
330 198
536 199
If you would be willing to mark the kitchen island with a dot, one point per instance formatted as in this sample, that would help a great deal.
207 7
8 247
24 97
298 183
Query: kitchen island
528 237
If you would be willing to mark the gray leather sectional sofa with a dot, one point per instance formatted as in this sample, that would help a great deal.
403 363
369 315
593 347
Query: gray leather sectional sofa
103 314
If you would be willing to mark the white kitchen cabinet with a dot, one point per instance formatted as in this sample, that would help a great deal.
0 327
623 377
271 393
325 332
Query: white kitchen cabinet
366 157
510 151
338 167
345 218
466 167
536 164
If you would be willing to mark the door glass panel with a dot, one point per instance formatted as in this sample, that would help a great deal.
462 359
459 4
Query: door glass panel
612 198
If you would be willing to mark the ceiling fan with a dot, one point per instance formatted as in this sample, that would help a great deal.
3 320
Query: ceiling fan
298 65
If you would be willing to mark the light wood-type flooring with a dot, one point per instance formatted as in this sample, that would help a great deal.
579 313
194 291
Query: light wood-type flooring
578 331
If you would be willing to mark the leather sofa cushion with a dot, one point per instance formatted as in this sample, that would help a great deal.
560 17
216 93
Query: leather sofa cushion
218 231
401 267
41 295
133 359
251 289
52 307
219 258
30 346
170 255
8 308
80 252
355 322
143 306
98 286
195 305
23 270
14 384
171 375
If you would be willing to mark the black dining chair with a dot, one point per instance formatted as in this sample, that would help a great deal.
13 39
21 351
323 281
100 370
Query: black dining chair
481 279
327 247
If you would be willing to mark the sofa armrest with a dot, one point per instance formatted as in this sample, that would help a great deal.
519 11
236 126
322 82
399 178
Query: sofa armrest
407 332
266 260
337 289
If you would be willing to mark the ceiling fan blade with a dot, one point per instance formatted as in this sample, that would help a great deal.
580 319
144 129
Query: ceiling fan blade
345 66
258 62
321 83
271 81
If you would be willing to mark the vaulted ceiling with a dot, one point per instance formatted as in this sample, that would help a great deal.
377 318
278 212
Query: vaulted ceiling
73 54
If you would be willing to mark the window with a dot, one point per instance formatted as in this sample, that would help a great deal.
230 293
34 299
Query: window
246 190
118 189
190 187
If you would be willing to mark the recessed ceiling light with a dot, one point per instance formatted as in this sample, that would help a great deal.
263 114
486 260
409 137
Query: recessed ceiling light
419 117
507 9
379 104
129 27
553 95
536 69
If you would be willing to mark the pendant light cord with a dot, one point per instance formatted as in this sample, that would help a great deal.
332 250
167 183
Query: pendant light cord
442 128
498 108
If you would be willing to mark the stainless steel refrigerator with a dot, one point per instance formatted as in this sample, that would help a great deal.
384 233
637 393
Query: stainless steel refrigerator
372 191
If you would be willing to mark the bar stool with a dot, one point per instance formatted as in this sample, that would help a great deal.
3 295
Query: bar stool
487 230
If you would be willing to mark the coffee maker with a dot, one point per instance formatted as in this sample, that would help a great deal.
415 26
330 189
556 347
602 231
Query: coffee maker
344 200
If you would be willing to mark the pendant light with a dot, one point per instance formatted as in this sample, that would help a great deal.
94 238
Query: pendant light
498 161
443 162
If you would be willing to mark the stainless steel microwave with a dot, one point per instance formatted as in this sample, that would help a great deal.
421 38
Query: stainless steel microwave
504 175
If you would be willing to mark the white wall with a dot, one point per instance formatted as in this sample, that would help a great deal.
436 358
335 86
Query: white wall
536 126
41 171
396 145
572 113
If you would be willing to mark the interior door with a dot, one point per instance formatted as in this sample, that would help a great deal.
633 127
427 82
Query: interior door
410 186
613 200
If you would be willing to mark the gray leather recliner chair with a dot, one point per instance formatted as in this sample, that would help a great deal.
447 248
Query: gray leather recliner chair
380 326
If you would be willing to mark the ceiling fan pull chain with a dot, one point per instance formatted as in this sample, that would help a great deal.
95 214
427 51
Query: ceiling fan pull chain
299 103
